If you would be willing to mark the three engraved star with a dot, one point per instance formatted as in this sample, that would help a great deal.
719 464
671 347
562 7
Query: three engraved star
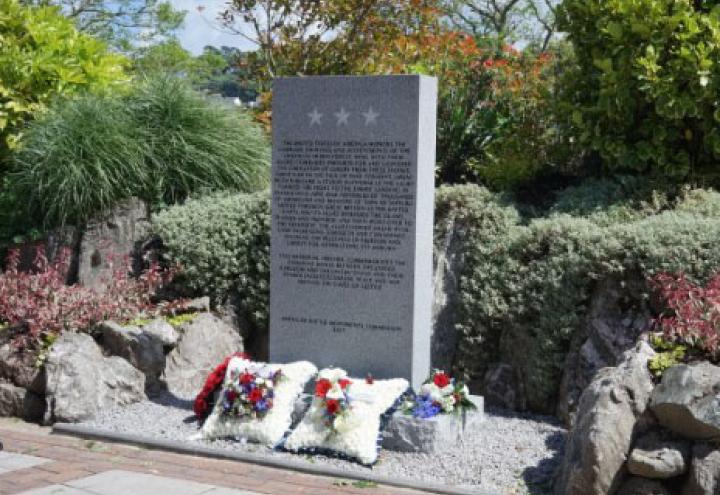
315 117
370 116
343 115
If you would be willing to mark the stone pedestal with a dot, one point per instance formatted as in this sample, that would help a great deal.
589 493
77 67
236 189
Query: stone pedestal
403 433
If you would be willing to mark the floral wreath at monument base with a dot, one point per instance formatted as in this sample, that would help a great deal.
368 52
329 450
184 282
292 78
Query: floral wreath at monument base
204 400
439 394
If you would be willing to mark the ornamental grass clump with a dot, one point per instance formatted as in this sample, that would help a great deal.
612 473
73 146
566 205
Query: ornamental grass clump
162 143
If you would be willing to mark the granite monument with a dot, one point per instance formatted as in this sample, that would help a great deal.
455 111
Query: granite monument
352 223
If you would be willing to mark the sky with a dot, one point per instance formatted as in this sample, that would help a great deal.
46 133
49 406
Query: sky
201 28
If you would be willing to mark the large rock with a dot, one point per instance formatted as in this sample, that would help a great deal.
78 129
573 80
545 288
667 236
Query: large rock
501 387
658 458
448 262
704 476
162 331
599 442
642 486
204 343
108 239
19 367
616 317
81 381
11 400
142 349
687 401
19 402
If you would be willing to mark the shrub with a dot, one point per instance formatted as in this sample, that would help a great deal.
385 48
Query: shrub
83 157
523 301
43 56
161 143
222 242
645 87
495 119
526 284
693 315
38 305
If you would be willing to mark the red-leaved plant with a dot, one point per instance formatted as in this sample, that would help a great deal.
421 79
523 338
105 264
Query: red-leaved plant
39 304
693 316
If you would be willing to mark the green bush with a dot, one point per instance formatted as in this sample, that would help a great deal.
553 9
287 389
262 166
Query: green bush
644 92
526 283
524 299
162 143
42 57
222 243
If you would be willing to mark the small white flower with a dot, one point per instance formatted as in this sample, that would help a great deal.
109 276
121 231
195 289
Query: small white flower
447 403
448 390
465 390
432 390
335 392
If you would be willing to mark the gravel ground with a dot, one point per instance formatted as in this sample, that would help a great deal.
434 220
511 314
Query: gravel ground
510 453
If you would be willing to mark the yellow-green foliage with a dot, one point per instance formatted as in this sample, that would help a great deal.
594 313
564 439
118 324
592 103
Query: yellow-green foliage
179 320
667 355
43 56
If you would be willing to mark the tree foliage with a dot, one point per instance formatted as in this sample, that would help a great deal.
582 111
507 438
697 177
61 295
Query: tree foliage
43 56
339 37
507 21
122 23
644 94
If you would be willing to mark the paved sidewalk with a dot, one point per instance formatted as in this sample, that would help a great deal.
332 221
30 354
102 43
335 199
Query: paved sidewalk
61 465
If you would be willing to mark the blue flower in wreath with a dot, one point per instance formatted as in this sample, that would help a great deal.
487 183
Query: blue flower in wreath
425 407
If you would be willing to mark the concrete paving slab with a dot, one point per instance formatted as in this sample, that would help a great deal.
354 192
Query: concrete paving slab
126 482
10 461
56 490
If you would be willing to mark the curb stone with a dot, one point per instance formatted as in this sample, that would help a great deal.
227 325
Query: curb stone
181 448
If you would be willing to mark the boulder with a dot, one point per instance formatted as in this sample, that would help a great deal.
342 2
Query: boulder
19 367
11 400
141 349
81 381
199 304
687 400
600 439
162 331
642 486
448 262
658 458
616 318
704 478
204 342
108 239
500 387
18 402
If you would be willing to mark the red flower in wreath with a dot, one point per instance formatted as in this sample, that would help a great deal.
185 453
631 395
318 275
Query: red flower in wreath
344 383
332 406
441 380
201 406
255 395
322 387
246 378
